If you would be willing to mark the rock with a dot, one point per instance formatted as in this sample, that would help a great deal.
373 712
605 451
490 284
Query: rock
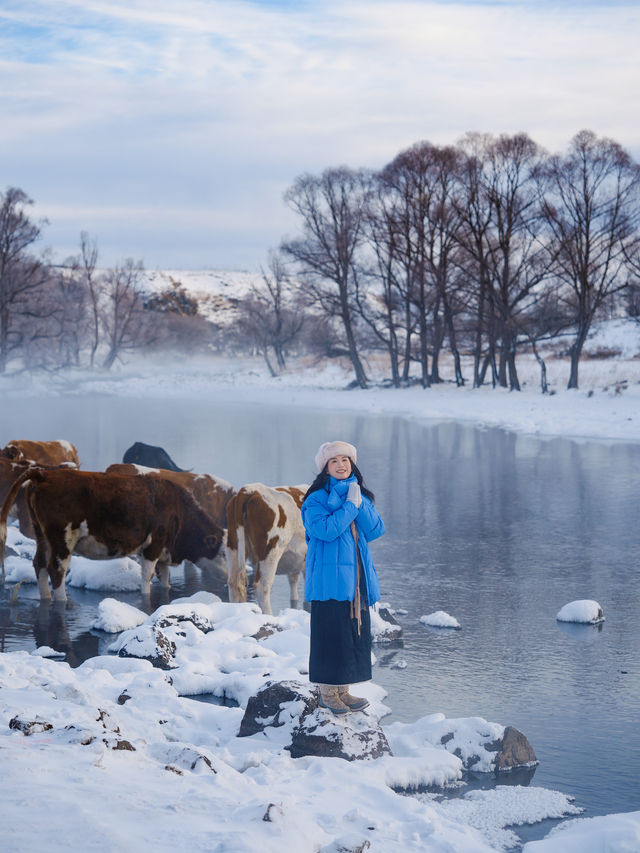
513 750
352 738
149 643
30 727
384 627
440 619
314 731
276 703
173 620
266 630
584 611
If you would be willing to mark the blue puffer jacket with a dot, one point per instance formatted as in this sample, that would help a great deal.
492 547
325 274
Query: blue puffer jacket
331 554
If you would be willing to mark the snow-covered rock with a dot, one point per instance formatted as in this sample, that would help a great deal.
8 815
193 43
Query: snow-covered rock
355 736
582 611
277 703
115 616
384 627
440 619
481 746
48 652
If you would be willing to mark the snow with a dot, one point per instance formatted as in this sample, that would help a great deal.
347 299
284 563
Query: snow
584 610
616 833
115 616
121 574
124 759
440 619
492 811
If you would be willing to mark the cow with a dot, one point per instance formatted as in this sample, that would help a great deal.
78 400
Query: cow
102 516
49 453
9 473
18 455
149 456
212 493
265 527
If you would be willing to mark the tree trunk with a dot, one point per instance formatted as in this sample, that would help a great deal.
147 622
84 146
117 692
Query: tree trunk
438 338
543 369
111 357
4 338
361 376
407 344
265 353
424 352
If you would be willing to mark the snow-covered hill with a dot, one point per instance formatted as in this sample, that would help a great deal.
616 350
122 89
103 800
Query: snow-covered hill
217 291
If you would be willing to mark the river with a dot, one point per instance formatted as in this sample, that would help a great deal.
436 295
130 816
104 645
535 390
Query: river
498 529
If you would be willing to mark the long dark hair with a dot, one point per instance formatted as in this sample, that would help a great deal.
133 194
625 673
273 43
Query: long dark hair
322 479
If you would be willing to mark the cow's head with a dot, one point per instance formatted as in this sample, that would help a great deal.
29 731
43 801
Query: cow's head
12 452
212 542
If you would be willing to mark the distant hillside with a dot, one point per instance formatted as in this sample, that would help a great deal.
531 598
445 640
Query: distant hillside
217 291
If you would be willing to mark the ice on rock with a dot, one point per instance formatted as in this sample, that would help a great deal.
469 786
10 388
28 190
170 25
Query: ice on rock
584 611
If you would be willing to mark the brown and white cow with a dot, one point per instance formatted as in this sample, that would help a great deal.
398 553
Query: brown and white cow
101 516
9 472
49 453
18 455
212 493
265 527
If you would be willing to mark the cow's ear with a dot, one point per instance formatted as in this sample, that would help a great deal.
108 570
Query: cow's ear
212 539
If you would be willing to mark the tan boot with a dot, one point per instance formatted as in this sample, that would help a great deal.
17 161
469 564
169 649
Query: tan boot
354 703
329 699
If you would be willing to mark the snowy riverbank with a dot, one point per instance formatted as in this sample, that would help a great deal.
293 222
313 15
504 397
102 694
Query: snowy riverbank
112 755
607 405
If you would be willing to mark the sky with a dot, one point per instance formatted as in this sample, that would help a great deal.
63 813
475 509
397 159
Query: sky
170 131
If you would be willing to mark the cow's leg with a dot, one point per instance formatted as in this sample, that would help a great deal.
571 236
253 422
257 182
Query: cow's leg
147 568
61 545
294 577
41 558
265 573
40 566
236 576
58 579
162 571
42 576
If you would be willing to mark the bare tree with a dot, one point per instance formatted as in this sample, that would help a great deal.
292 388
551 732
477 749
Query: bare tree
332 208
474 238
271 315
21 274
542 321
591 205
87 263
122 314
385 317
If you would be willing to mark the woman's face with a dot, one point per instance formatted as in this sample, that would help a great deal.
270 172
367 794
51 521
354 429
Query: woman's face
339 467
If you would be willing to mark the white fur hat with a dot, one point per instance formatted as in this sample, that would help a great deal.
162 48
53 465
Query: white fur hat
330 449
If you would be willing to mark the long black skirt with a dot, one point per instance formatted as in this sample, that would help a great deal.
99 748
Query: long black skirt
338 654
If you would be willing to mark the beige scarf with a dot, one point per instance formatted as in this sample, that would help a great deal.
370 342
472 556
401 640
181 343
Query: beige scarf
355 610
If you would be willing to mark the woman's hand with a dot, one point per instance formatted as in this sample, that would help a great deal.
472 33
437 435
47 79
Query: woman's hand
354 494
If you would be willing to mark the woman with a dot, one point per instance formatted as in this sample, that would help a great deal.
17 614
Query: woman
340 579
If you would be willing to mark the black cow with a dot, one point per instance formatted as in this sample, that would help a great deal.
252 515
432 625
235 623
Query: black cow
149 456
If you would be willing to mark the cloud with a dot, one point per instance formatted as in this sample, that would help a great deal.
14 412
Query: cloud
219 105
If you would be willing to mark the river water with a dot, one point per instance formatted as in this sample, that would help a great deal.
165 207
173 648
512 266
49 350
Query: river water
500 530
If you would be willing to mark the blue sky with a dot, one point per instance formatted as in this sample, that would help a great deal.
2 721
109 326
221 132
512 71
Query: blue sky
170 131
